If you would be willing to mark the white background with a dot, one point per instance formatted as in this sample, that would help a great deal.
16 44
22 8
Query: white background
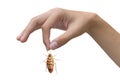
81 58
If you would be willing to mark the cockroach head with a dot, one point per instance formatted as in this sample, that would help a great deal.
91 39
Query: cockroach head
50 55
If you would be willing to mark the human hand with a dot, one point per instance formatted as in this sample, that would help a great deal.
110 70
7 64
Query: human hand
74 22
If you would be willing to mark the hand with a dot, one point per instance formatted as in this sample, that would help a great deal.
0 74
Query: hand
74 22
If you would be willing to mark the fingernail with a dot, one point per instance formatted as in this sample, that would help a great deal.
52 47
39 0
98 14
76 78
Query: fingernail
53 45
19 36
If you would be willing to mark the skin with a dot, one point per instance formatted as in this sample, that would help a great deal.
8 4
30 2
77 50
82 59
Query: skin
74 23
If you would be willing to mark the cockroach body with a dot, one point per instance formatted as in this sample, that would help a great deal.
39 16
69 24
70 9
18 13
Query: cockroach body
50 63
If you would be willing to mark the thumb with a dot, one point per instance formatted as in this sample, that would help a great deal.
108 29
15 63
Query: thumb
59 41
72 32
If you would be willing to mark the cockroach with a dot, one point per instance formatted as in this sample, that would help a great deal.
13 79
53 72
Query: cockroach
50 63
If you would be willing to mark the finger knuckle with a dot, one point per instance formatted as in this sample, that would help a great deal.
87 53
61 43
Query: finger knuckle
44 28
34 20
57 11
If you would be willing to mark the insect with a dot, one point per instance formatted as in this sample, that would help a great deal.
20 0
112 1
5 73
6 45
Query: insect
50 63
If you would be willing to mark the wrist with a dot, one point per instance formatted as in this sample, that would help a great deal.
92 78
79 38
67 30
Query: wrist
94 24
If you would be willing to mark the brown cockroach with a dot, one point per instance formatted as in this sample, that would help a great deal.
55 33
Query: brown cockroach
50 63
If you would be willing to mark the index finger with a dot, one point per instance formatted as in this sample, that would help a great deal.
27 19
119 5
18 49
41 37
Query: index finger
33 25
